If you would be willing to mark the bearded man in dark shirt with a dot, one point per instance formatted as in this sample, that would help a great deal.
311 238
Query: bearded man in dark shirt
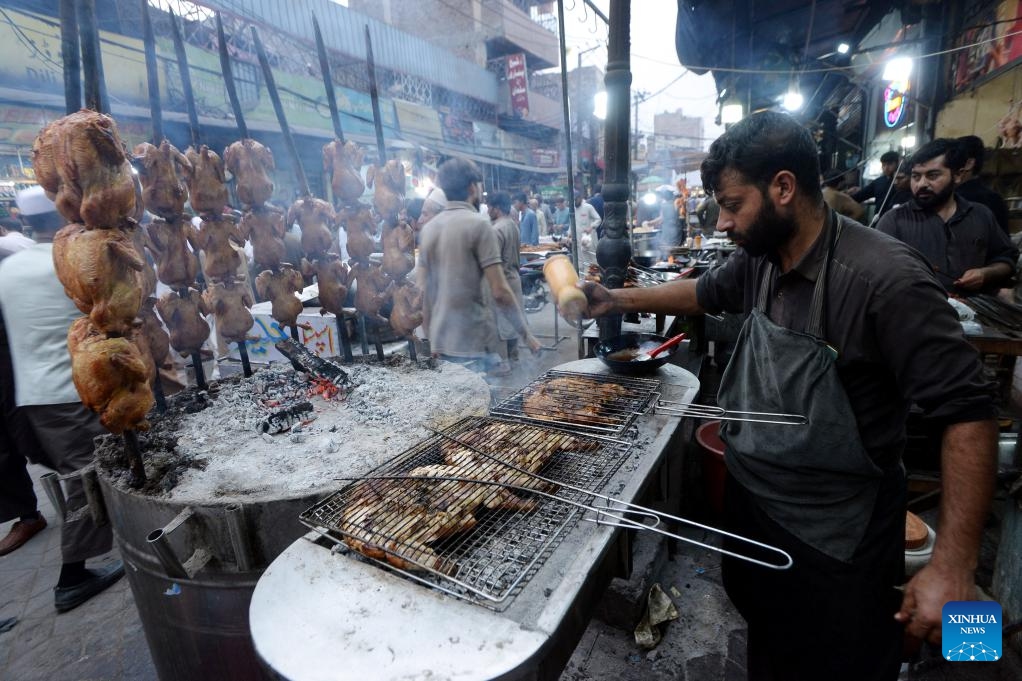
829 302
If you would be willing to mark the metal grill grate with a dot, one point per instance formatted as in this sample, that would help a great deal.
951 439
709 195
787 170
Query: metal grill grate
478 541
593 403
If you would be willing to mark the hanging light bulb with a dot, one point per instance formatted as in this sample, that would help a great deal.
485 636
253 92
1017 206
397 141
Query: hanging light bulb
792 100
731 111
843 48
898 69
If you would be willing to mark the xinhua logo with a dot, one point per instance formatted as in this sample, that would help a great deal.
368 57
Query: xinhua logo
971 631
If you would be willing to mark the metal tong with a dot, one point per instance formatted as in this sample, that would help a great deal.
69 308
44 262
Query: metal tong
616 506
706 411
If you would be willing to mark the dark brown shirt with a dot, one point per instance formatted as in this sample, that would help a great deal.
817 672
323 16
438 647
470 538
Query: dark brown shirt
970 239
898 339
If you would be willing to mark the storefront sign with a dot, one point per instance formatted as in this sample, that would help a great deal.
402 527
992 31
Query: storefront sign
895 102
487 137
993 40
415 119
457 130
518 82
546 158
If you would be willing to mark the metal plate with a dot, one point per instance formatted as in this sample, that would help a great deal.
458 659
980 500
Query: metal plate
474 540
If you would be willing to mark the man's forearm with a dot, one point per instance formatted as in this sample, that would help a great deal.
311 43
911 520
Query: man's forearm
676 297
968 471
997 273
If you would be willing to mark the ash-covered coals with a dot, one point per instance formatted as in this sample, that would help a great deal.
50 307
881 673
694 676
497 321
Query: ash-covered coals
384 412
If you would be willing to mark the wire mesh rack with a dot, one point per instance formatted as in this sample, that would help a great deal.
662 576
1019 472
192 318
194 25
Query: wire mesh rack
477 527
593 403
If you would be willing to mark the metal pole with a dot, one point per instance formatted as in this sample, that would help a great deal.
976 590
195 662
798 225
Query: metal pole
614 252
186 79
328 83
232 90
70 53
278 108
152 74
374 95
567 137
92 58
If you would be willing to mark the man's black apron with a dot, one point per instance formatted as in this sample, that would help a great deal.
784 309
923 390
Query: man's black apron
813 491
816 481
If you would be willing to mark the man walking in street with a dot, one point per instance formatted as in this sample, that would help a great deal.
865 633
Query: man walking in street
829 302
508 243
37 314
527 223
587 221
459 254
961 240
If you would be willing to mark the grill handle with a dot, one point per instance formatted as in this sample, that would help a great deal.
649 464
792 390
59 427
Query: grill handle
706 411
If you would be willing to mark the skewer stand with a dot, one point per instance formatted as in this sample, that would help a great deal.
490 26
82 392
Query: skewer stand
362 333
200 375
342 332
411 350
246 366
134 459
161 400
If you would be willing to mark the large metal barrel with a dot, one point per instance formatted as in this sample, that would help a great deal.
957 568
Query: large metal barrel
192 569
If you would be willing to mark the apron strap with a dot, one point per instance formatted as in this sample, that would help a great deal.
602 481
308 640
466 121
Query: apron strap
815 325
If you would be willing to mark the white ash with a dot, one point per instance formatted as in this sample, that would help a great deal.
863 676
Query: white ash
385 413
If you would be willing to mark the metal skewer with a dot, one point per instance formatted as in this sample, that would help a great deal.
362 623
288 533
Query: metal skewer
324 67
152 70
705 411
631 508
186 79
342 332
161 399
225 66
135 463
246 366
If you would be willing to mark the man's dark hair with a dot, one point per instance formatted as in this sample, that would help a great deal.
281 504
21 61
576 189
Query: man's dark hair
47 223
942 146
597 188
972 147
520 197
759 147
456 175
414 208
501 201
890 157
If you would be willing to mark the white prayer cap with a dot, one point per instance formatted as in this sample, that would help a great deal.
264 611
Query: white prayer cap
33 201
437 196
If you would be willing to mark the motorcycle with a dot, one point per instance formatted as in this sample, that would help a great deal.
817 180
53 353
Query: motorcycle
534 293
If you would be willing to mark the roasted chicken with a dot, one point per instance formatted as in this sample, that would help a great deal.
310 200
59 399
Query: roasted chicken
398 250
332 277
221 241
372 290
406 315
183 316
207 188
279 288
359 226
151 333
81 162
343 161
317 218
101 271
111 376
250 163
265 228
524 446
574 400
388 185
163 171
140 237
174 244
229 302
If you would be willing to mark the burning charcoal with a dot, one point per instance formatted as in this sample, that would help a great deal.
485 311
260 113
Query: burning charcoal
282 419
303 360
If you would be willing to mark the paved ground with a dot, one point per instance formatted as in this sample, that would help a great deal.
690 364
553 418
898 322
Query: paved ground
103 639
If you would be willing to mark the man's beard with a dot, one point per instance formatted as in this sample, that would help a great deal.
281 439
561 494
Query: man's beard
768 232
931 201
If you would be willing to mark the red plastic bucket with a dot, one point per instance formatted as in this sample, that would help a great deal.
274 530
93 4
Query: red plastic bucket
714 470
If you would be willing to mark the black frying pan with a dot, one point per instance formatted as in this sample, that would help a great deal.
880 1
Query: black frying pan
634 341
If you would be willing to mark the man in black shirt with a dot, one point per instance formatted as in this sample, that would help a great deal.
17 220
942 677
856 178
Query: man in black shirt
829 303
960 240
880 188
970 151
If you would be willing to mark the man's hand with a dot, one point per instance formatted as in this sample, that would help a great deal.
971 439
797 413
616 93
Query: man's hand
925 596
534 345
601 302
972 280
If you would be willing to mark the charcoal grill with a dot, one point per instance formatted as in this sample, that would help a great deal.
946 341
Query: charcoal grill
614 415
490 561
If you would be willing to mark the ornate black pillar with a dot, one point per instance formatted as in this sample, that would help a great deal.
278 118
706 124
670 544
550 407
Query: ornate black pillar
614 250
